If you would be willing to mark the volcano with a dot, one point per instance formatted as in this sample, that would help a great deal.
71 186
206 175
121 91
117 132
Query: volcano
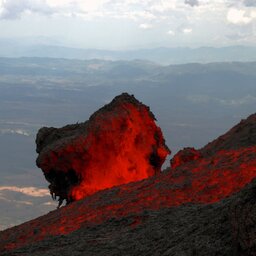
203 204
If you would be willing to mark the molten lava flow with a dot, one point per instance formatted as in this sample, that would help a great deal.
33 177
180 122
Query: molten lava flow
213 178
119 144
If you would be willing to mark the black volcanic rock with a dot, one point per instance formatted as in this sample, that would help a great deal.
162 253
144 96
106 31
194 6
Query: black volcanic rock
243 220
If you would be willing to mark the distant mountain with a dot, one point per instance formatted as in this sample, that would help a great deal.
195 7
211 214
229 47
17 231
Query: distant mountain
162 55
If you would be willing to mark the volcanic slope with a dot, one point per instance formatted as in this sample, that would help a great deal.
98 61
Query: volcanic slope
225 228
203 205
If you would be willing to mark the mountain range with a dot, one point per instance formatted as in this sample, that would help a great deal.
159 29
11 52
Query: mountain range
162 55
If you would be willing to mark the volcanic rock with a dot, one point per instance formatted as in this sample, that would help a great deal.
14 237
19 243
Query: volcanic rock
205 205
119 144
243 220
191 229
241 135
184 156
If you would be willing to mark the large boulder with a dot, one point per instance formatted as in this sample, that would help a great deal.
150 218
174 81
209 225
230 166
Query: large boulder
119 144
184 156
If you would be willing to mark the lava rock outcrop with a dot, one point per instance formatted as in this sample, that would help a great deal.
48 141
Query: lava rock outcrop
120 143
184 156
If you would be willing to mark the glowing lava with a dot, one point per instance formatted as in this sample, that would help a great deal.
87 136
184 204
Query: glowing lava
119 144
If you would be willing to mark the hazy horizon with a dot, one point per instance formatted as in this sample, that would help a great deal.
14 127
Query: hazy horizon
30 41
131 24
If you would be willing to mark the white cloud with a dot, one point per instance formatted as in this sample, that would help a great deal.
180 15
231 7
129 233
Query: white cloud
61 3
239 16
187 30
163 6
29 191
91 6
15 201
203 22
15 131
249 99
146 26
171 32
12 9
134 15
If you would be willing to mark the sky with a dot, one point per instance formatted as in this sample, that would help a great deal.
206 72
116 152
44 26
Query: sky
130 24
